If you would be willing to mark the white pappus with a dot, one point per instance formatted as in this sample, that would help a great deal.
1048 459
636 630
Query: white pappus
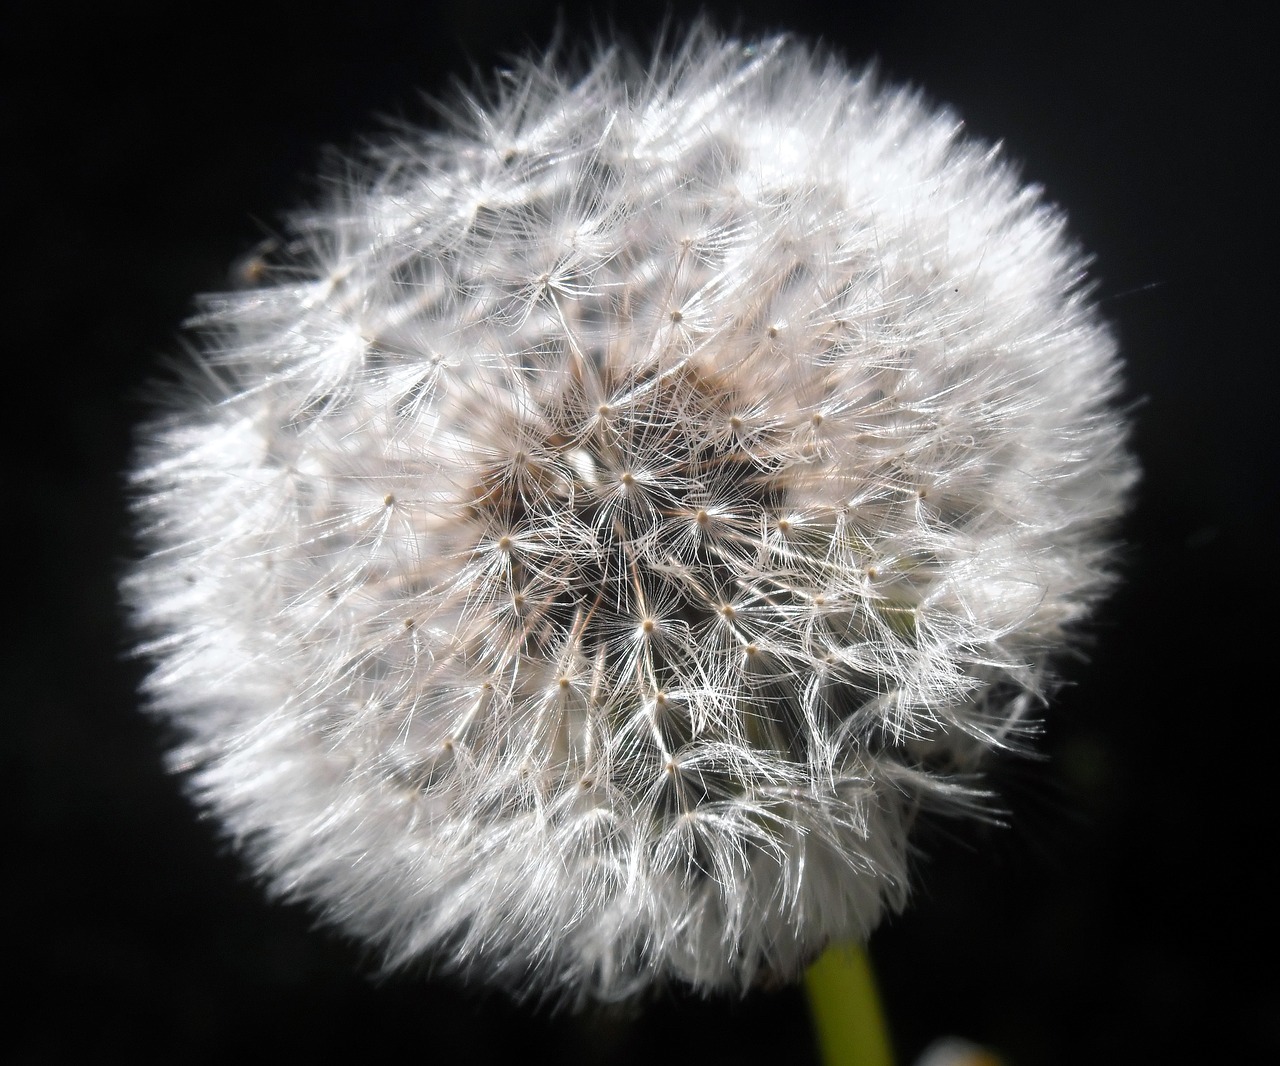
610 519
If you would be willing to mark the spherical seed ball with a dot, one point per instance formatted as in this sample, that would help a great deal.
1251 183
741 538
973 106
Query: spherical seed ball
613 517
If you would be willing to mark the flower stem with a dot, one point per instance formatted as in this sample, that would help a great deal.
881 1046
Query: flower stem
846 1011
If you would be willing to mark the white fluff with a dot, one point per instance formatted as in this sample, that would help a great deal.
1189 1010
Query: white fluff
615 516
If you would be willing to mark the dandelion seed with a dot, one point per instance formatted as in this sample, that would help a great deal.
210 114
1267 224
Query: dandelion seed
746 450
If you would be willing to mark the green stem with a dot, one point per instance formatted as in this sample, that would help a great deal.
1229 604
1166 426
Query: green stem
846 1009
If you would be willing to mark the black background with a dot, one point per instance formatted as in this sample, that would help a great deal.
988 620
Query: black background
1121 917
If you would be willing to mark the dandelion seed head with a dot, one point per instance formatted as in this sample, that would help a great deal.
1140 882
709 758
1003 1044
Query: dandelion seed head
613 518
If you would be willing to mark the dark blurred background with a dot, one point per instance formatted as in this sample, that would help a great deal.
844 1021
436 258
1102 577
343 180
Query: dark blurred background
1120 917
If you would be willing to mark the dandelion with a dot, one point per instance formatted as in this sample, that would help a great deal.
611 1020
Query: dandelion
609 520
